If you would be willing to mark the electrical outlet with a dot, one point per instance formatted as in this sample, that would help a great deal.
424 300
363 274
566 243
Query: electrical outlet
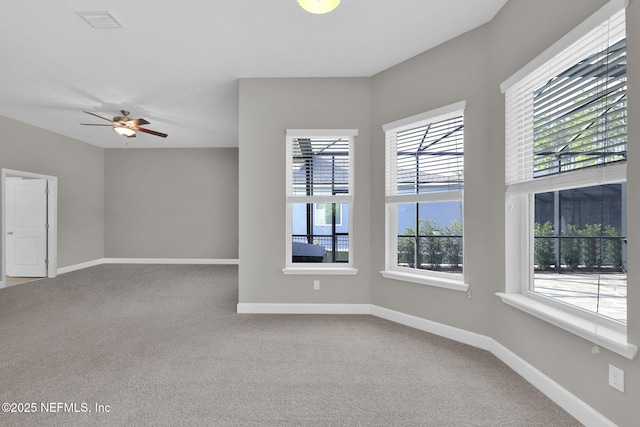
616 378
316 285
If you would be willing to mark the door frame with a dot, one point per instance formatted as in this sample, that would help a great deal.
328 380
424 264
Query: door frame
52 220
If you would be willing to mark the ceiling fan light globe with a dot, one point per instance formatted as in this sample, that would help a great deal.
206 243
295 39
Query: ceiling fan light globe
318 6
124 131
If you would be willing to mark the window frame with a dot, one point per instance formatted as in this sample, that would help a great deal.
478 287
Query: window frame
452 281
347 199
519 218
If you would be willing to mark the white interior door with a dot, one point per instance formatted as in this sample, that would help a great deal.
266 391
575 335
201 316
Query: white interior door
26 227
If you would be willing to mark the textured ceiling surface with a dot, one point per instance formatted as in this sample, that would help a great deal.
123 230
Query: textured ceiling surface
177 64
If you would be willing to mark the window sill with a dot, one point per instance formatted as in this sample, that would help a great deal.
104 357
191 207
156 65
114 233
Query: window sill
429 280
330 271
607 336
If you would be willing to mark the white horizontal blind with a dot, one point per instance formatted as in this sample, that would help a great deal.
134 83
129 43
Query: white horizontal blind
426 158
319 169
570 113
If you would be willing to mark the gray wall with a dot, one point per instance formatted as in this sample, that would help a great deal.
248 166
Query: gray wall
80 171
564 357
470 67
171 203
132 203
449 73
267 108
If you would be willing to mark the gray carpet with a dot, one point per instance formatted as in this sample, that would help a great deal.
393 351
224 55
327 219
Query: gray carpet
163 346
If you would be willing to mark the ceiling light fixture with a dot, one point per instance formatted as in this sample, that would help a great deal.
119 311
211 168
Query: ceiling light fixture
318 6
125 131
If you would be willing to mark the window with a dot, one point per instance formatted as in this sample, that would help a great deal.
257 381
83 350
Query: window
327 214
424 194
566 152
319 201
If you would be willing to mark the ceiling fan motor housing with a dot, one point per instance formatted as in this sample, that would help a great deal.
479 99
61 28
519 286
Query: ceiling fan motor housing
123 118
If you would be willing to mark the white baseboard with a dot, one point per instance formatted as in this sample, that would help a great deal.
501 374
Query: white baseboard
304 308
201 261
561 396
2 284
101 261
80 266
554 391
456 334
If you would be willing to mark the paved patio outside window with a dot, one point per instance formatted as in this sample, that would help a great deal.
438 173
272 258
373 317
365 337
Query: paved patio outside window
581 290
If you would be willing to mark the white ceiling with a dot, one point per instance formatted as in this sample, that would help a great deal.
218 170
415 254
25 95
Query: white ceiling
177 63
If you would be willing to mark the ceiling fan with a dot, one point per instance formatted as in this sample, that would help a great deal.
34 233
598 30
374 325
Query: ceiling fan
125 126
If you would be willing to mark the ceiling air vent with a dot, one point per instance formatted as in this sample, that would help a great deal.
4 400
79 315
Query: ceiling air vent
100 19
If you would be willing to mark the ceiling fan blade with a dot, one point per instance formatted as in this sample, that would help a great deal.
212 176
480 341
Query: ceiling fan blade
100 117
94 124
137 122
152 132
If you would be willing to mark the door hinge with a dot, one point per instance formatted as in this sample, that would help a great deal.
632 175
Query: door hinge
46 226
46 262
